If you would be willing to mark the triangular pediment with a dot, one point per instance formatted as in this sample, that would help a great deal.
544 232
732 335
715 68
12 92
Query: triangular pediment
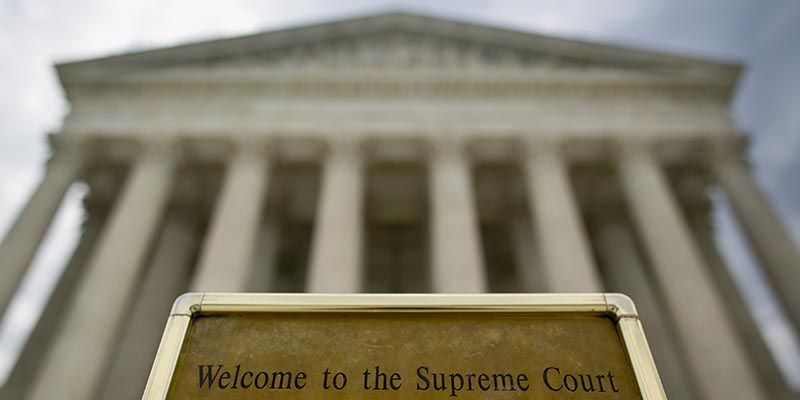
395 41
404 49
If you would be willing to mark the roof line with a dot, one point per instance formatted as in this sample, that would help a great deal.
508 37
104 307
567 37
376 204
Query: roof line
199 50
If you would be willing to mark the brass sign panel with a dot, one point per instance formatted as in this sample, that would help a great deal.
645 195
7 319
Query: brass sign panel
293 346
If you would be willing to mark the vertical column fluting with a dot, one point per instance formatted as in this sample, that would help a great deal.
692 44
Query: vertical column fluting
566 256
624 271
713 352
226 258
778 254
457 257
98 307
336 263
25 235
166 278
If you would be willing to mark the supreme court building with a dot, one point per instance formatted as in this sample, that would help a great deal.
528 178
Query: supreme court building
397 153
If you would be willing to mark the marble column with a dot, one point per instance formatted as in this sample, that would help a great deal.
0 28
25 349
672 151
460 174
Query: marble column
457 258
778 254
51 320
227 255
713 351
624 272
25 235
566 255
73 367
737 307
336 264
166 278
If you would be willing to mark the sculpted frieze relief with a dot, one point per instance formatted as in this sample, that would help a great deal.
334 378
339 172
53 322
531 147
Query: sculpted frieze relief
591 90
406 49
402 64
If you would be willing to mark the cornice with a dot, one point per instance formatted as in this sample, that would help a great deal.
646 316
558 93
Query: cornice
396 22
689 88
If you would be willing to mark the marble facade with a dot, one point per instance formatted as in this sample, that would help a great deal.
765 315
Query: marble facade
397 153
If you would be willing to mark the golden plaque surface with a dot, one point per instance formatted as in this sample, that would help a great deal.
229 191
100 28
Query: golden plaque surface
293 346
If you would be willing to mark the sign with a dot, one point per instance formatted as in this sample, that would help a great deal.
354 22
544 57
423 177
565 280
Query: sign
304 346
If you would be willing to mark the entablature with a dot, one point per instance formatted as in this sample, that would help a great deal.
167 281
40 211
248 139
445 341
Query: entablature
499 147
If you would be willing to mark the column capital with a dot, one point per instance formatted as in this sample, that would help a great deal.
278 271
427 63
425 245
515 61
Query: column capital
159 148
68 151
729 148
549 146
68 144
546 151
636 149
448 146
345 148
250 148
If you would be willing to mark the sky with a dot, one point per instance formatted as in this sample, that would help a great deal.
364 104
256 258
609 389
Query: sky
764 35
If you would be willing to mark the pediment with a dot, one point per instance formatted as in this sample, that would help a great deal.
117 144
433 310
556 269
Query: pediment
398 49
393 42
